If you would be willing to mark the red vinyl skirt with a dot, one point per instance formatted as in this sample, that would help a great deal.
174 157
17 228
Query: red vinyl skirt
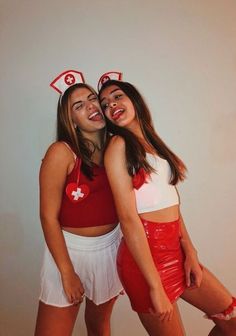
164 242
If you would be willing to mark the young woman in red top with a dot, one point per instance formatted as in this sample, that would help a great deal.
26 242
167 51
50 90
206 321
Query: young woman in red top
157 261
79 221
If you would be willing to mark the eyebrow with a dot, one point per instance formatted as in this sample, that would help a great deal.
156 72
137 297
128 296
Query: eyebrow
111 93
80 101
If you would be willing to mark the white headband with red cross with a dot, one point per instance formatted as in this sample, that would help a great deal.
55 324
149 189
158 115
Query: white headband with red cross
71 77
109 76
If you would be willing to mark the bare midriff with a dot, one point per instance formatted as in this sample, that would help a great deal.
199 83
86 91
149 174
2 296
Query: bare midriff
91 231
169 214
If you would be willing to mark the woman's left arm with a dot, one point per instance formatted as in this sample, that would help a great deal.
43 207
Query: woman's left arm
193 271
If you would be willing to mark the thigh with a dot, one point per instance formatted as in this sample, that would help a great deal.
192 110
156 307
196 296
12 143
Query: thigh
98 314
155 327
56 321
211 297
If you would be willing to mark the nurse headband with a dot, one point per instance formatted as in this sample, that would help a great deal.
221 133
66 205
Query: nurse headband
66 79
71 77
112 75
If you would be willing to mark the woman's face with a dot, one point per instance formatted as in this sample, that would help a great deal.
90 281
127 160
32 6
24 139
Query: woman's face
85 110
117 107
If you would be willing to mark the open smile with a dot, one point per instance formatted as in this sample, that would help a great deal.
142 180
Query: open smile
96 116
117 113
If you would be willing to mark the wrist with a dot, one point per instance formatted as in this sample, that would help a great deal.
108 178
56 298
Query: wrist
67 271
188 247
191 255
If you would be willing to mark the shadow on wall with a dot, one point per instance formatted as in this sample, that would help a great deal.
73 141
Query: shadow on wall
19 275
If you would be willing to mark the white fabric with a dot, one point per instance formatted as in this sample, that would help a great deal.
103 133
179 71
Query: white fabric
157 193
222 316
94 260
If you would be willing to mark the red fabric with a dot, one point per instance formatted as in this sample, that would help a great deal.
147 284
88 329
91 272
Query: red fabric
96 209
164 242
139 178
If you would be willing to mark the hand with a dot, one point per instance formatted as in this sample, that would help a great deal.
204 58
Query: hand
73 287
162 305
193 271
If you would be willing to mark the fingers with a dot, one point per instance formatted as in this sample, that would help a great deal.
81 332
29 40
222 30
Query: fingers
170 315
163 317
166 317
79 300
198 279
187 276
76 298
195 278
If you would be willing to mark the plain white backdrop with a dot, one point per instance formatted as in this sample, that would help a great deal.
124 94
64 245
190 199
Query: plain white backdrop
181 55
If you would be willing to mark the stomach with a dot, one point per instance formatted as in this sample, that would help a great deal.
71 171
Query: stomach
91 231
169 214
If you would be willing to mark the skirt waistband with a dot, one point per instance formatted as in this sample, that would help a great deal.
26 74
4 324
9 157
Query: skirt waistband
168 232
92 243
145 221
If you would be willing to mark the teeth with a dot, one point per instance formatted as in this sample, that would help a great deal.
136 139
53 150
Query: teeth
117 111
93 115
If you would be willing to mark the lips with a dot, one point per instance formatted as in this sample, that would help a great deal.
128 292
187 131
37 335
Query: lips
117 113
96 116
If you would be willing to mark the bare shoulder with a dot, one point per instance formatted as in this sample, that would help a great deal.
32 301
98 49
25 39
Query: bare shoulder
116 146
115 157
58 153
117 140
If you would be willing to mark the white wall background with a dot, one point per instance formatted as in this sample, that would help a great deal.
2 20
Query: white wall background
182 57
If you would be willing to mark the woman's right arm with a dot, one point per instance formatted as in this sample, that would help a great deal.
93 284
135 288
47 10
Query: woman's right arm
132 228
53 172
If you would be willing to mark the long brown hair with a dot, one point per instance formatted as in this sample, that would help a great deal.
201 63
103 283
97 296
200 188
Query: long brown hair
135 151
72 136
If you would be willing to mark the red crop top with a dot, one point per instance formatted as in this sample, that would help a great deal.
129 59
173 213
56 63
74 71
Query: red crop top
96 209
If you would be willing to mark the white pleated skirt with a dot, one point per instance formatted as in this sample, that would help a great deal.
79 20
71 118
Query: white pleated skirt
94 260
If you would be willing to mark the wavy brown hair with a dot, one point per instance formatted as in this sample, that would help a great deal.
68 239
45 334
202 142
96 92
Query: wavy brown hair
135 151
66 131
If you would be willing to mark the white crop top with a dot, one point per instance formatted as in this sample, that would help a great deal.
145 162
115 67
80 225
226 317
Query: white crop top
157 193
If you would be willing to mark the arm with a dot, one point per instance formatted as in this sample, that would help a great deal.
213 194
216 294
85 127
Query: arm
185 239
193 270
53 172
132 228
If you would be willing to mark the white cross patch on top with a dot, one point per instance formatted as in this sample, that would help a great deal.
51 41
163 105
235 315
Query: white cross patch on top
77 194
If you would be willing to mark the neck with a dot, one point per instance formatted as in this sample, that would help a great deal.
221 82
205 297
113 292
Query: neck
97 138
135 128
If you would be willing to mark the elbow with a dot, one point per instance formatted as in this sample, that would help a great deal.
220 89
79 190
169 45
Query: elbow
47 219
126 217
44 217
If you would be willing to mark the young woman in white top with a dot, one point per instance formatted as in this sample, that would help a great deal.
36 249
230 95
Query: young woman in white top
157 261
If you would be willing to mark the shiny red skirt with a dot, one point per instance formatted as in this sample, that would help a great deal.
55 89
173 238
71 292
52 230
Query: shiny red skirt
164 242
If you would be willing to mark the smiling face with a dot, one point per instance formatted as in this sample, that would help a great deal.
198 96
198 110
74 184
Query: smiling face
85 110
117 107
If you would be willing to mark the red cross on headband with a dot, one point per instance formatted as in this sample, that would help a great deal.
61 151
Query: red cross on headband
66 79
109 76
70 77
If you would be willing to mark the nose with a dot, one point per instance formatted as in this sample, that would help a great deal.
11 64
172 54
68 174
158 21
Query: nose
90 105
112 103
